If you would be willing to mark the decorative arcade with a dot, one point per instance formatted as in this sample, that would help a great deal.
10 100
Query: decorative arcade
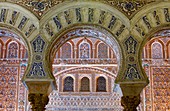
90 55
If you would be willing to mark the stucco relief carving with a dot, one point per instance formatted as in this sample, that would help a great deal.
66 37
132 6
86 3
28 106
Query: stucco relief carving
64 18
17 19
3 15
22 23
129 7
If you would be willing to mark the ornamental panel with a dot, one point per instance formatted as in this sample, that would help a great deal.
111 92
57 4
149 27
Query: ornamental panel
38 44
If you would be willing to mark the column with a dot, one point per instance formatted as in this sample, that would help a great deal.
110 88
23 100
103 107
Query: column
93 82
76 83
4 53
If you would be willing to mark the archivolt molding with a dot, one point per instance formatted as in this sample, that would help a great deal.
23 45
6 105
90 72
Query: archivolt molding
149 19
83 12
16 17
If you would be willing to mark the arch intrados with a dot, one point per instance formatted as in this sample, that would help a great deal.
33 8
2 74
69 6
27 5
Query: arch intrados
98 33
69 75
85 77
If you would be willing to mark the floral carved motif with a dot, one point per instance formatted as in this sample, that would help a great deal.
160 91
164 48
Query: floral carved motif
128 7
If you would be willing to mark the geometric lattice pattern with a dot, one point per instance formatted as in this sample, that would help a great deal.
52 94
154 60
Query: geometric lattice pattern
13 95
102 51
156 96
8 92
161 88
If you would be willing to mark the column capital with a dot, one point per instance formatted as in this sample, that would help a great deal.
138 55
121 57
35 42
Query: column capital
38 101
131 95
130 103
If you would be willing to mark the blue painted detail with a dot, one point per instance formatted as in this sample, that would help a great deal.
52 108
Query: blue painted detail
37 70
132 72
